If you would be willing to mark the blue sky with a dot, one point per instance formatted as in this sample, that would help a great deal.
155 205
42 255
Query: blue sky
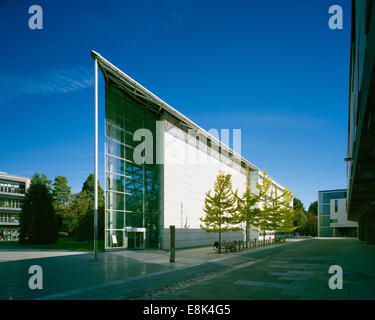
272 68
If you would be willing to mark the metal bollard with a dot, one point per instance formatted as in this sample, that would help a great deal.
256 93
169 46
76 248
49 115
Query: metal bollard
172 243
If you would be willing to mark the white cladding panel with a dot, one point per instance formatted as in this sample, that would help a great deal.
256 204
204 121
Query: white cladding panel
341 215
189 172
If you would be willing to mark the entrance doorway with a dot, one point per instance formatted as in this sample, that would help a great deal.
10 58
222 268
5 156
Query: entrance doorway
135 238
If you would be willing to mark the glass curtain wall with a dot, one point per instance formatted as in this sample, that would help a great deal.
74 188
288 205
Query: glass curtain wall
132 206
325 211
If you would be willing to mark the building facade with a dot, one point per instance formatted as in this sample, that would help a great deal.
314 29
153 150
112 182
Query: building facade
361 126
333 216
12 193
167 186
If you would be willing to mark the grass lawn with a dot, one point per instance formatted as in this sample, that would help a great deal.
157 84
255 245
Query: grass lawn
62 243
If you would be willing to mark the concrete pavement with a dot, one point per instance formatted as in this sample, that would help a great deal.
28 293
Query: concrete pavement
76 275
295 270
296 273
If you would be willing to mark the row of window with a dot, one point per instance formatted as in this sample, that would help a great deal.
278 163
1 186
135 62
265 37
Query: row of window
10 203
325 209
9 234
10 187
207 146
325 221
326 232
325 197
8 218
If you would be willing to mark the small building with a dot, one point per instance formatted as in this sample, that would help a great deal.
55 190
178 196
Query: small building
12 193
333 215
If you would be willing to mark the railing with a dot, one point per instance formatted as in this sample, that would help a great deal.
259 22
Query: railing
237 245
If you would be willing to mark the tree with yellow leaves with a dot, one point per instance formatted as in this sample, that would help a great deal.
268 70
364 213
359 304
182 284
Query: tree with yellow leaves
219 207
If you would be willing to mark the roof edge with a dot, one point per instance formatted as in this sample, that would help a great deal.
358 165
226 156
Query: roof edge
119 73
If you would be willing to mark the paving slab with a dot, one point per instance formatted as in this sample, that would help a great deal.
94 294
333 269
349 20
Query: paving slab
303 280
198 273
293 278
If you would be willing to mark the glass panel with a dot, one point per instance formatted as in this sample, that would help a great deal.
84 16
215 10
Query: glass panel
134 220
12 187
115 165
116 148
140 182
115 220
134 204
332 195
6 202
115 182
115 132
325 221
135 240
115 201
115 238
326 232
320 198
326 209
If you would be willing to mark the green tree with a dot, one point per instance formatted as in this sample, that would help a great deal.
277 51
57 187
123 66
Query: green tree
263 219
246 210
306 220
313 208
61 192
62 199
38 220
42 178
277 210
78 208
290 211
298 205
81 215
310 222
219 207
300 214
89 188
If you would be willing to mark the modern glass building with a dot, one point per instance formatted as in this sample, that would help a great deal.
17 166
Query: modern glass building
132 208
158 167
12 192
361 125
333 216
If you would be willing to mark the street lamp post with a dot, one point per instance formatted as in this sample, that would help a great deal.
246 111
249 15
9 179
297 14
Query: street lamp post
96 164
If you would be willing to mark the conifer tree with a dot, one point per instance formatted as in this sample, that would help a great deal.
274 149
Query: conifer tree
61 192
219 207
38 220
83 209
